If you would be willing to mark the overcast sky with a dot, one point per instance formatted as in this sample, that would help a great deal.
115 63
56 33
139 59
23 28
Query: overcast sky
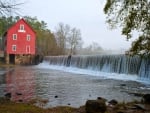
86 15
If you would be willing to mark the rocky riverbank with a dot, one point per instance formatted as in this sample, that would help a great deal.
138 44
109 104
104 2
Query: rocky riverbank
100 105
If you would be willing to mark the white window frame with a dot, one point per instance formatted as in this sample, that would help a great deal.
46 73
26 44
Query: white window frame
27 49
28 37
21 27
14 36
14 47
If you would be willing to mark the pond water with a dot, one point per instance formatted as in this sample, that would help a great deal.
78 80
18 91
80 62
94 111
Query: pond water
63 88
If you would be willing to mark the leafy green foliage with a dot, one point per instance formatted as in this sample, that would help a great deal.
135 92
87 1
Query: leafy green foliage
5 23
131 15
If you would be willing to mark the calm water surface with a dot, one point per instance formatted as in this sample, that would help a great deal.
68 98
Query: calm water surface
63 88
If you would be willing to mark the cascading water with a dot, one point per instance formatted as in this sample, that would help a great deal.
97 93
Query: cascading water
121 64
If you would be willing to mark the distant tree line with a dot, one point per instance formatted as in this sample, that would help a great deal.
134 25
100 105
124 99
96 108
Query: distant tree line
65 40
93 49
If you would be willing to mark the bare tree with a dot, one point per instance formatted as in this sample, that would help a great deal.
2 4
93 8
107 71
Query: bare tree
61 34
74 41
96 47
68 39
8 6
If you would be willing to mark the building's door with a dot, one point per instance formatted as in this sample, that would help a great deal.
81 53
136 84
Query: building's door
12 58
28 49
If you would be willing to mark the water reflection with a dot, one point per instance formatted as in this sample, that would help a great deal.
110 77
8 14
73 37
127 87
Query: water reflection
20 83
2 84
63 88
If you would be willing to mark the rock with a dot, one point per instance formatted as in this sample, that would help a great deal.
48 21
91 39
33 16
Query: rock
101 98
113 102
146 98
139 106
8 95
122 84
95 106
120 112
20 100
56 96
135 94
18 93
38 58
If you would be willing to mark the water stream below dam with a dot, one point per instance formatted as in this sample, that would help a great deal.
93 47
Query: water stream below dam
72 85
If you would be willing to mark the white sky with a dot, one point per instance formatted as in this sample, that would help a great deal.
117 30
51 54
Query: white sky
86 15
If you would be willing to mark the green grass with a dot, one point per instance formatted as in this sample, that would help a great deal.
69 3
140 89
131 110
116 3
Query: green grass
11 107
7 106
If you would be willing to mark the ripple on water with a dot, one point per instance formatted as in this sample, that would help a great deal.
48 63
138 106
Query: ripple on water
64 88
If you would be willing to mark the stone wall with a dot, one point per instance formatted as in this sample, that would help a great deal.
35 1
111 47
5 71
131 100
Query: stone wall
24 59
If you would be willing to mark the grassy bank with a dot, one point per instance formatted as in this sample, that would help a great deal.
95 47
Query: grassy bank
11 107
7 106
4 65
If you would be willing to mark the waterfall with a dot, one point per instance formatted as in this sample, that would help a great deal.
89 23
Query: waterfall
121 64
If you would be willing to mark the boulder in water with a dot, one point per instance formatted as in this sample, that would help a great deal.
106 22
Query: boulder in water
102 99
113 102
56 96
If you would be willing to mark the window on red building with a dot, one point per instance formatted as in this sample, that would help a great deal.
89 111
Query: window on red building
28 49
28 37
22 27
14 36
14 47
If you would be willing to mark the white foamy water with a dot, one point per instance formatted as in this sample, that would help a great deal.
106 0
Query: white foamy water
90 72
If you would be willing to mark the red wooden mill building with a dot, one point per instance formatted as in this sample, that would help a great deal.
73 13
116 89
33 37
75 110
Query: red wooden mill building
19 43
